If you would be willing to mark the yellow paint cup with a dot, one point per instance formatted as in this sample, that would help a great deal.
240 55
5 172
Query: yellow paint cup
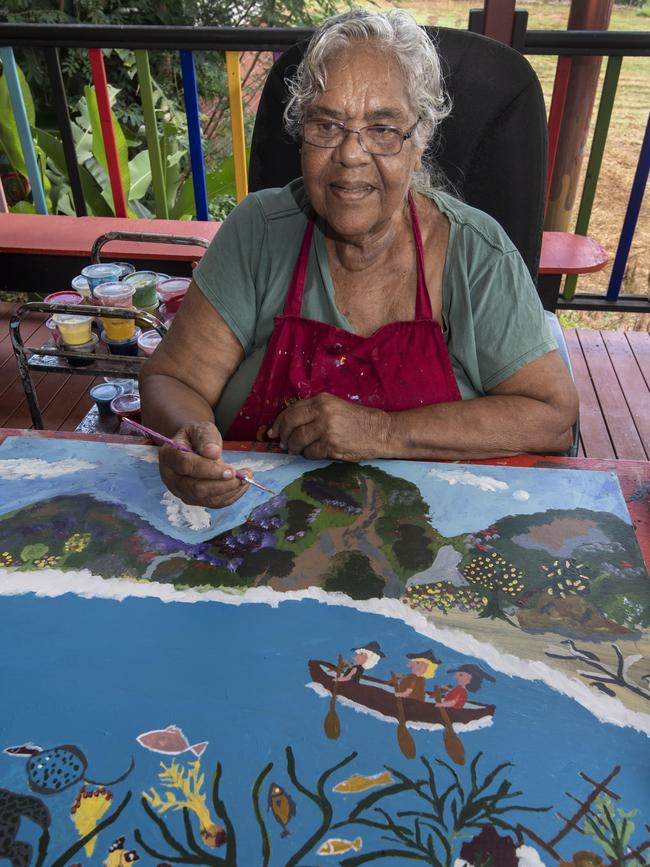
118 329
74 329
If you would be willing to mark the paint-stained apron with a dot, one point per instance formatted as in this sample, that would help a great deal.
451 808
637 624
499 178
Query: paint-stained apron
401 366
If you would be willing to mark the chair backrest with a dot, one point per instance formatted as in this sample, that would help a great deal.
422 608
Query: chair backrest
492 147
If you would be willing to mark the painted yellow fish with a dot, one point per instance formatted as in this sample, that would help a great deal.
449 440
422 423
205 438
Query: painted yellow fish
359 783
340 847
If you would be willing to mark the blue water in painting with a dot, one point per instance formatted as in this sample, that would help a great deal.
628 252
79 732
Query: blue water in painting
97 673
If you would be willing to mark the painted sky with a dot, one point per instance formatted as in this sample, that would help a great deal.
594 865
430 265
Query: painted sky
462 498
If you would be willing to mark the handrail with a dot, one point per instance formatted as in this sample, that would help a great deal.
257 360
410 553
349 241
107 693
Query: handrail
598 42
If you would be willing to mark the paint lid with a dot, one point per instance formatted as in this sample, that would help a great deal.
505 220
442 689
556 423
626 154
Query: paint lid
105 391
81 285
65 297
162 277
128 386
141 278
108 270
148 341
126 268
126 404
69 318
115 294
173 287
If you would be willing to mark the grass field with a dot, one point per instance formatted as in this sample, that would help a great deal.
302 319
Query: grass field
621 152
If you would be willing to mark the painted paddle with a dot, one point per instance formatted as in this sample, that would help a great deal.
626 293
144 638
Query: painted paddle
332 724
404 738
453 743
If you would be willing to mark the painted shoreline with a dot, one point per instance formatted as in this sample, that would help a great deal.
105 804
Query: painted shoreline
50 583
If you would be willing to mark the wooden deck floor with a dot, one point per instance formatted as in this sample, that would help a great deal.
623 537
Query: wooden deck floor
611 368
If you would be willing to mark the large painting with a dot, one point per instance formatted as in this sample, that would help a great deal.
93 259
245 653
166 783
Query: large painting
388 662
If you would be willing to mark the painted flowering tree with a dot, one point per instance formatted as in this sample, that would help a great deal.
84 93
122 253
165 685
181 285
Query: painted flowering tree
496 579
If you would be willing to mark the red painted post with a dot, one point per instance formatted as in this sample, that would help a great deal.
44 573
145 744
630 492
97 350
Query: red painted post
499 17
110 145
555 115
580 98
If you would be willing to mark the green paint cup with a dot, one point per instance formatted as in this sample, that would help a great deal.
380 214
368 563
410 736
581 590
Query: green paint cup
145 284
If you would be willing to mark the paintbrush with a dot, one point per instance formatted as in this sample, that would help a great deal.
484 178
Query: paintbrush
183 448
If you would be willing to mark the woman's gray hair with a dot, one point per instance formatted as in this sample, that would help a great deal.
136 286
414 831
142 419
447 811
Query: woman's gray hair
394 31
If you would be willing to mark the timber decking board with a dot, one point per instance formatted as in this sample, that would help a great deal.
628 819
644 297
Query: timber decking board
594 436
632 381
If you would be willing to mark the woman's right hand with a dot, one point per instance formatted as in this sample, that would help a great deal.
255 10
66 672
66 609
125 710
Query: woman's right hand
201 479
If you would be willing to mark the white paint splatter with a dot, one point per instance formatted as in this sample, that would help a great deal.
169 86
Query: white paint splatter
464 477
35 468
521 495
185 517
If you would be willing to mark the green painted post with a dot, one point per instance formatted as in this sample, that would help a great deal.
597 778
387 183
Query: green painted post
151 128
598 142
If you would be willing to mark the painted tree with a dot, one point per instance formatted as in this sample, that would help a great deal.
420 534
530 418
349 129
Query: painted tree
443 596
565 577
496 579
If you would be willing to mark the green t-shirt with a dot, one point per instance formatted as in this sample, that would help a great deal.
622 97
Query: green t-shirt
493 320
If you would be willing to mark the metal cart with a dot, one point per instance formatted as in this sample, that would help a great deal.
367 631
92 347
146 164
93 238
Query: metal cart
53 359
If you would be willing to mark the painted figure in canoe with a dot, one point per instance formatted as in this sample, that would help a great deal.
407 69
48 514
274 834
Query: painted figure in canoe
378 696
468 678
423 667
365 658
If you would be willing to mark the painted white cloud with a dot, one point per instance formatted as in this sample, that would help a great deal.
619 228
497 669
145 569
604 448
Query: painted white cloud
464 477
35 468
256 465
185 517
520 495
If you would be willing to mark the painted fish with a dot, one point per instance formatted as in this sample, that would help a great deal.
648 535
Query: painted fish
55 769
282 806
170 741
118 856
359 783
340 847
28 749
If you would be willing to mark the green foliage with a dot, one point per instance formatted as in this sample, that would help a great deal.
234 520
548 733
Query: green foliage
351 573
612 829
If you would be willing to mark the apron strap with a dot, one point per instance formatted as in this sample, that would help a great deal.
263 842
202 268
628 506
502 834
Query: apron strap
422 301
293 303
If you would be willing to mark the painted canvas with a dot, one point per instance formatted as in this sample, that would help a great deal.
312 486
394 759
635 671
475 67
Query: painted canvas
388 662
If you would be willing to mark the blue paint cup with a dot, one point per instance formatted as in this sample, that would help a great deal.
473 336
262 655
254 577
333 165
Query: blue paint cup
100 273
126 269
103 393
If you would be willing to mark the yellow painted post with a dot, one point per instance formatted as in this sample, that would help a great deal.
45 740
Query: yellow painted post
237 124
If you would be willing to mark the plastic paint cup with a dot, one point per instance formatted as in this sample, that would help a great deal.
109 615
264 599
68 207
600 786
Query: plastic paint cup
117 329
128 386
115 294
80 285
74 330
86 352
127 346
126 268
100 273
127 406
103 393
162 277
148 341
144 283
172 293
65 297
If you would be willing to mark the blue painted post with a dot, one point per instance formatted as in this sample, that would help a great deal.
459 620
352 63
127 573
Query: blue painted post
24 132
631 217
191 96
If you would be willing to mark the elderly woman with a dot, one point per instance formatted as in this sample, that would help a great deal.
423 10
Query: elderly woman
357 313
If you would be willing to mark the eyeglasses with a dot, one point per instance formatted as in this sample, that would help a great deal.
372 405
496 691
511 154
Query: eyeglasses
378 139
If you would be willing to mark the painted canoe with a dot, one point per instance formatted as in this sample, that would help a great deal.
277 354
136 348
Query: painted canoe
378 696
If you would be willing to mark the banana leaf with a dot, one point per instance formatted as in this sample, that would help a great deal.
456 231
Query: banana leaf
9 139
95 203
99 152
219 182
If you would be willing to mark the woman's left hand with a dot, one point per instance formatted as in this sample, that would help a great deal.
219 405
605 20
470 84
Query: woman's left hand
326 426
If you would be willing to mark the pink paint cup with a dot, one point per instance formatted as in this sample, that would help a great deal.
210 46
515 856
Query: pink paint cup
148 341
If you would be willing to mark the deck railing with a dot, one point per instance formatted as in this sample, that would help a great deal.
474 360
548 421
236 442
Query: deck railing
187 40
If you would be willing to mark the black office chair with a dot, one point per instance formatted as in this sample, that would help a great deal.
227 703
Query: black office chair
491 148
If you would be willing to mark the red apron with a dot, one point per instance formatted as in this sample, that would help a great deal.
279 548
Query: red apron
401 366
